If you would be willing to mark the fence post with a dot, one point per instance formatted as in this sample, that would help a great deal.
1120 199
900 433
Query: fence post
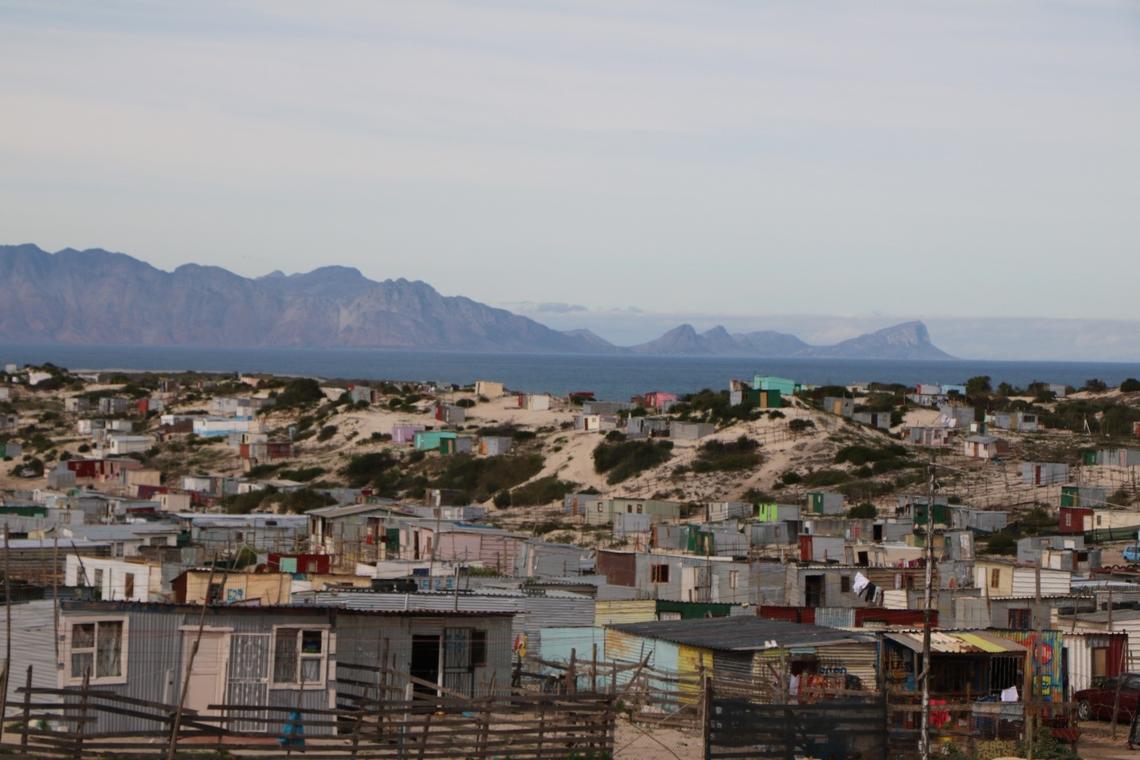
485 728
594 670
424 738
541 726
706 714
572 673
27 710
82 715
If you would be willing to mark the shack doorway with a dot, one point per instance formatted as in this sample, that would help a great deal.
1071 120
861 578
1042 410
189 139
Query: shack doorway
425 661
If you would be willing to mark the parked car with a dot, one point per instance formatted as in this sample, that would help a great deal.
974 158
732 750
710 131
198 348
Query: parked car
1096 703
1132 553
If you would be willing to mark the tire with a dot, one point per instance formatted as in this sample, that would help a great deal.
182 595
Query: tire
1084 710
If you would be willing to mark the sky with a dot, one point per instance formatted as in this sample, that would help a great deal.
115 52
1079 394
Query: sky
729 160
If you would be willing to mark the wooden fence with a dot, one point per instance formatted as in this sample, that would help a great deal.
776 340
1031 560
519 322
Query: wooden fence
62 723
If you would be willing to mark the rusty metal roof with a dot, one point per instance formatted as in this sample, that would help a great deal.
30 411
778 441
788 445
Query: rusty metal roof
943 642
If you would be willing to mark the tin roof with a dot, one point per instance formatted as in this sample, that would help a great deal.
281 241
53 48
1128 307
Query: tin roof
943 642
740 633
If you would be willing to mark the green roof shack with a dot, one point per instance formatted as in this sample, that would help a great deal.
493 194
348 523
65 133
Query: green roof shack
785 386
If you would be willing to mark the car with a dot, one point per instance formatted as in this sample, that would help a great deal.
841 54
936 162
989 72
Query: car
1096 703
1132 553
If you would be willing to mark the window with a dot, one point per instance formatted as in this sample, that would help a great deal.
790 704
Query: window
214 593
1098 519
1068 519
1099 662
845 583
299 656
128 586
98 584
995 577
478 648
1019 619
659 573
733 579
96 648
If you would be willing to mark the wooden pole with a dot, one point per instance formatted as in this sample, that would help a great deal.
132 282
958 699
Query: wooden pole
176 723
27 710
924 736
7 628
594 670
55 590
81 729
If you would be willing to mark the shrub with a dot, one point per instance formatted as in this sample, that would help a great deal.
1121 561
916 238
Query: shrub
480 479
860 455
262 470
302 474
305 499
327 432
740 454
628 458
790 478
799 425
825 478
1131 385
300 391
863 511
466 403
541 491
366 468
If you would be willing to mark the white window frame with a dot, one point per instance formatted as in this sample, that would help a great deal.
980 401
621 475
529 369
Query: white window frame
70 678
326 641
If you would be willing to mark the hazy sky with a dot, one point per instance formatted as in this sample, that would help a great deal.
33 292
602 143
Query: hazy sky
914 158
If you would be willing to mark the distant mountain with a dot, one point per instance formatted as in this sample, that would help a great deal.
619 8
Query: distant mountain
910 340
99 297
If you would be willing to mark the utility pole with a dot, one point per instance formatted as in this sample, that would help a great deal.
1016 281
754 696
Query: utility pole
924 736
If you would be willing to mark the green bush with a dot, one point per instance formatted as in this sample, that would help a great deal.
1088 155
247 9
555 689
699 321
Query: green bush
624 460
300 391
860 454
366 468
730 456
480 479
821 478
302 474
1131 385
863 511
327 432
800 425
305 499
541 491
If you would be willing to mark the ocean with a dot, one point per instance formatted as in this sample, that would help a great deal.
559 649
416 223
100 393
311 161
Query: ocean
609 377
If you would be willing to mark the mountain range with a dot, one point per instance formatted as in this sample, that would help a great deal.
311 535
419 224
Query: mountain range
104 298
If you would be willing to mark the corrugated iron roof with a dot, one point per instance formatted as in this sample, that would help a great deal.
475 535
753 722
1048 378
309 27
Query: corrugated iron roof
943 642
739 633
68 605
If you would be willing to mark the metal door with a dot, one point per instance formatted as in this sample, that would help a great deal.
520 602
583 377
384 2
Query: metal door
458 673
248 682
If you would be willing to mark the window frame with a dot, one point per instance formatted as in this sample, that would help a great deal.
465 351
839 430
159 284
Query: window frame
659 573
66 651
323 657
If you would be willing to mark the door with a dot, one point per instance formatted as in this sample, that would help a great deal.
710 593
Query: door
425 661
207 678
248 682
813 591
458 674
